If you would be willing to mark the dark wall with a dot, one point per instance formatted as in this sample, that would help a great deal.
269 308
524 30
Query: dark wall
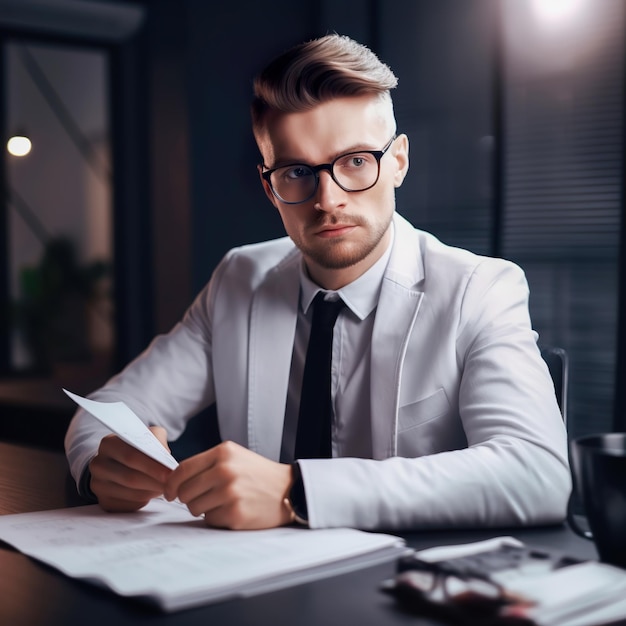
228 43
169 159
443 55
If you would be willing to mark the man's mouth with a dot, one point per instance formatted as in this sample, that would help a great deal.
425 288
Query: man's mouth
330 231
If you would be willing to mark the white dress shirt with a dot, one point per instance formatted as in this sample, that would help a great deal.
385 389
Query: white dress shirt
350 362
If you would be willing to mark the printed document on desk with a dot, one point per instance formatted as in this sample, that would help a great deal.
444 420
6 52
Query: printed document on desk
164 555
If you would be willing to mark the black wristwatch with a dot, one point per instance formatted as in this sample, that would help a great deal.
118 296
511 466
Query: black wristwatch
296 498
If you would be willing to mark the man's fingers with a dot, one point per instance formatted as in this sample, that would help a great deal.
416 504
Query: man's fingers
113 497
108 470
191 472
205 491
123 478
113 448
161 434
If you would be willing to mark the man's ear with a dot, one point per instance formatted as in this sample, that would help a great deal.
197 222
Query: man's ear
266 186
401 156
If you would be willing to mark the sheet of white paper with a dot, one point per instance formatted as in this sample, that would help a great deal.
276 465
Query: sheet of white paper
121 420
442 553
578 595
164 553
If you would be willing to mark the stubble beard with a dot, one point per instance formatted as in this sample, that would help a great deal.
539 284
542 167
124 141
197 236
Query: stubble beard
336 254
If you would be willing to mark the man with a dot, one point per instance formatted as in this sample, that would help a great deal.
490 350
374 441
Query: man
443 412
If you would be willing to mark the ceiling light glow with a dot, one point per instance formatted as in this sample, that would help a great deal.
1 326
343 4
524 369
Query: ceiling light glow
19 145
552 11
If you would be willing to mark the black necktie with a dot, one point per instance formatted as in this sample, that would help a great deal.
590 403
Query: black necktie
314 420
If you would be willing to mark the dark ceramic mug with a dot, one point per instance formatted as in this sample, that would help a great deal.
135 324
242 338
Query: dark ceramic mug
599 472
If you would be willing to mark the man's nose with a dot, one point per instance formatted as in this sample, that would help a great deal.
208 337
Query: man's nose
330 195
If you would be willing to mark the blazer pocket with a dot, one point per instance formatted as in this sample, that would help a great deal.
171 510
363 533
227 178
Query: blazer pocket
423 410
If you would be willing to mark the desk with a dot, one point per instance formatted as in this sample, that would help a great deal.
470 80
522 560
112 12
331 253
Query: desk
32 594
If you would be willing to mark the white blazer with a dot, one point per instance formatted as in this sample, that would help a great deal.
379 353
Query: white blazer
466 429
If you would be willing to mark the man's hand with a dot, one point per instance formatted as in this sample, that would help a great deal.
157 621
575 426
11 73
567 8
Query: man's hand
125 479
234 488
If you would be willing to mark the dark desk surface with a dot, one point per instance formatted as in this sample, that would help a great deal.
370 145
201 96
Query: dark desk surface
32 594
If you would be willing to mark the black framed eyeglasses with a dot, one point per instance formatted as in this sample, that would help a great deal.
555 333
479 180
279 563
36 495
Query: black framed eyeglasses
354 171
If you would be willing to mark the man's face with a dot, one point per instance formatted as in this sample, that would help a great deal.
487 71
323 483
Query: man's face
341 234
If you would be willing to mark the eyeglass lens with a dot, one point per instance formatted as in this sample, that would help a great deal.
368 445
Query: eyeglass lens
353 172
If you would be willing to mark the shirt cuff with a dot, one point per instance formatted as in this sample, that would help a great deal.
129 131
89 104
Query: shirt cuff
84 486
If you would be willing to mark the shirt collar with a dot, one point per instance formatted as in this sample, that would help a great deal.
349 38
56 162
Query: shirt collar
360 296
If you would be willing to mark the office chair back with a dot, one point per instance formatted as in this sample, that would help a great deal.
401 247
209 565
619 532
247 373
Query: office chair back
558 365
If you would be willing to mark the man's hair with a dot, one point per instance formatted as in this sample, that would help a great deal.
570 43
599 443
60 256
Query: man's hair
317 71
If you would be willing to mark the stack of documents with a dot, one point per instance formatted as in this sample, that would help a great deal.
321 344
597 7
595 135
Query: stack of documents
166 556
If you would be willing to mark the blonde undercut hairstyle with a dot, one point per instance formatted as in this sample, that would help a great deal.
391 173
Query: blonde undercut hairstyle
317 71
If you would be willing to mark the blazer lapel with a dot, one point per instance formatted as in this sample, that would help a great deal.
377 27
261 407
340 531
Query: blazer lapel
272 329
397 311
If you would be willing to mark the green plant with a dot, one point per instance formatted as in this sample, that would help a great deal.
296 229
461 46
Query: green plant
51 309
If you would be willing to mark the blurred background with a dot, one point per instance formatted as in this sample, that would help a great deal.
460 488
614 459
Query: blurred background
128 169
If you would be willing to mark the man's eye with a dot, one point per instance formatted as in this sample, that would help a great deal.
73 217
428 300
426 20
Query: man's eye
354 161
296 172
